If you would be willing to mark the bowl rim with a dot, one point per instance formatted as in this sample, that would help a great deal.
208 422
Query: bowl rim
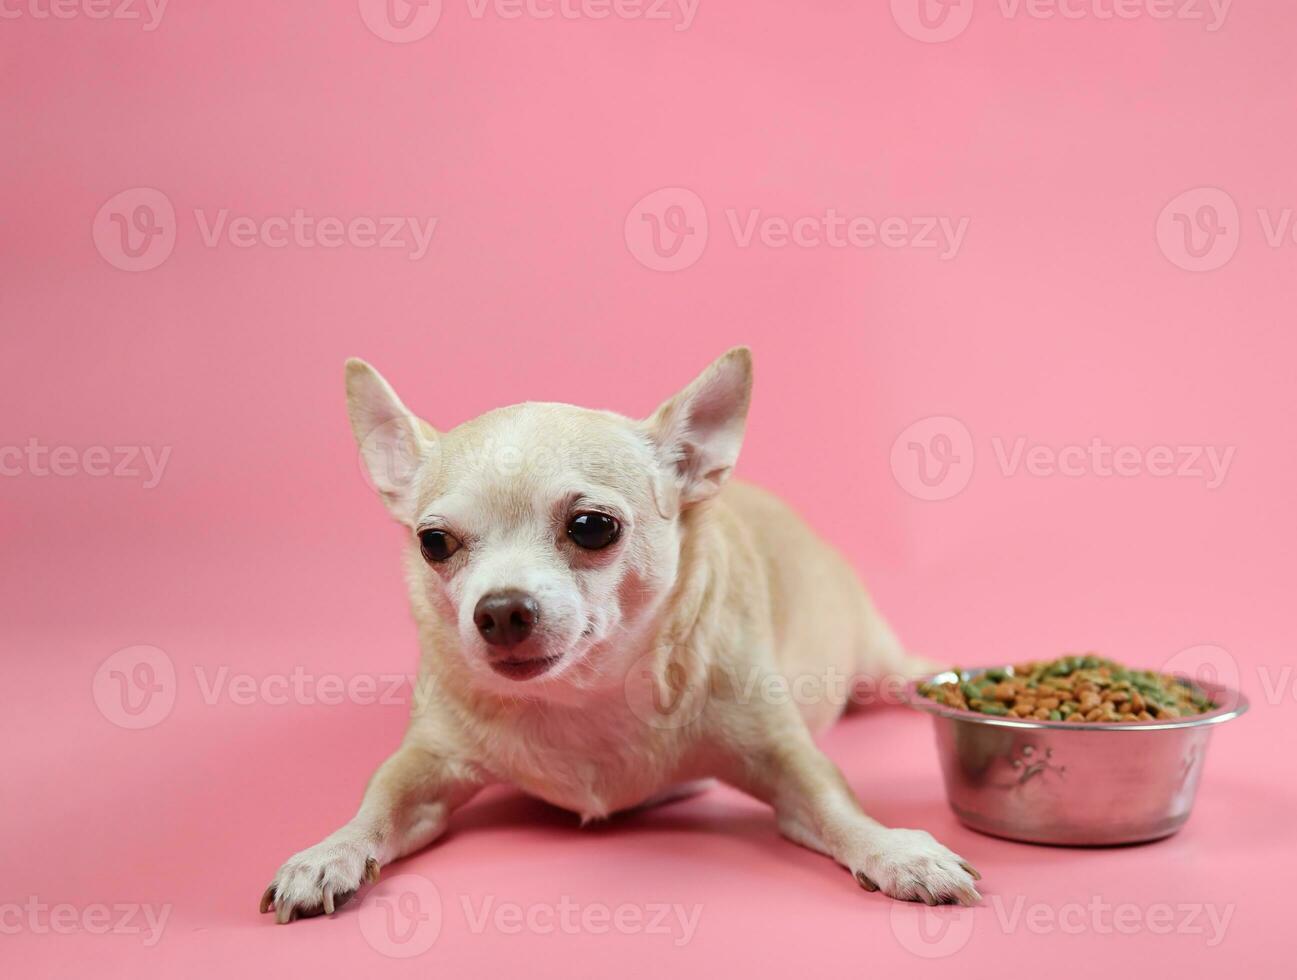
1234 703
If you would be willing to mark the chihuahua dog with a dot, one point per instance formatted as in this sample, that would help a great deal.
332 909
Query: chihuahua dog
596 603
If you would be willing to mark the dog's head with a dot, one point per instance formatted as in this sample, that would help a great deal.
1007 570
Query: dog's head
549 535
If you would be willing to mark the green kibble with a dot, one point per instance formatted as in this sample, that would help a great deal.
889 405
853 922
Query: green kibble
1072 679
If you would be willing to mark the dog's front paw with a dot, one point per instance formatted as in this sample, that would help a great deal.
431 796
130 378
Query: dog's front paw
912 866
320 879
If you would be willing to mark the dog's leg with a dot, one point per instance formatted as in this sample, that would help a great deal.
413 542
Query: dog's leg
816 808
406 807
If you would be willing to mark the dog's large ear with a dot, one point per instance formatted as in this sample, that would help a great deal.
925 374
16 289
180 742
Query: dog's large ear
394 445
699 431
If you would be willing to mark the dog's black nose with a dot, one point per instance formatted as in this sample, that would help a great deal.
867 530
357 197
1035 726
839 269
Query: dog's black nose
505 618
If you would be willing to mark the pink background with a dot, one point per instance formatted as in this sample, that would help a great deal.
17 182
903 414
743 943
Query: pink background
1061 319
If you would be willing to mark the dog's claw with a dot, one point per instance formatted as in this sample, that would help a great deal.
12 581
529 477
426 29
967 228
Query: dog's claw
866 882
976 875
320 880
927 897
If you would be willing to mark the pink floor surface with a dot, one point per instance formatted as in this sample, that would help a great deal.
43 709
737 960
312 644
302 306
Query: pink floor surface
190 817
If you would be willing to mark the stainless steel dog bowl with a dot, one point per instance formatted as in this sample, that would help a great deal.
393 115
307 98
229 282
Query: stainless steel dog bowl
1083 784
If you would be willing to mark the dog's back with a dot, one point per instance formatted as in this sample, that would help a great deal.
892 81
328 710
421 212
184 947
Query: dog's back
827 634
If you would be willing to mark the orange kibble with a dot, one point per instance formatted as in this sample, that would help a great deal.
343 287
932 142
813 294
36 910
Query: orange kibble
1078 688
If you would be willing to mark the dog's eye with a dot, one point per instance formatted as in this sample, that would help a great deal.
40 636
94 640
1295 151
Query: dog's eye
437 545
593 531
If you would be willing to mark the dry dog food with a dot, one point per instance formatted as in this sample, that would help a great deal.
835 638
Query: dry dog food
1073 688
